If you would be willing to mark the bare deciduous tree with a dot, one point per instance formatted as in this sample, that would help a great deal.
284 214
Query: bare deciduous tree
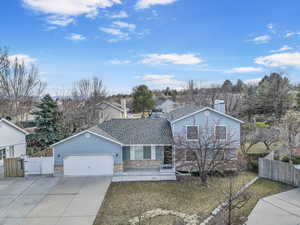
290 127
20 85
80 108
269 136
206 153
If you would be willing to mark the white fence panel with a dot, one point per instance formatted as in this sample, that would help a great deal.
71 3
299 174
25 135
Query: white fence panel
39 166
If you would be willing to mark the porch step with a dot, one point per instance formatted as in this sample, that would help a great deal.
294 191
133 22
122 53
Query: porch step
120 178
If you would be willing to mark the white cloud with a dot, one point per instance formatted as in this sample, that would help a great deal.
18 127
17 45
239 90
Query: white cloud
162 81
270 26
261 39
111 31
142 4
282 49
118 15
290 34
62 11
280 60
184 59
118 61
75 37
69 7
122 24
241 70
60 20
117 33
23 58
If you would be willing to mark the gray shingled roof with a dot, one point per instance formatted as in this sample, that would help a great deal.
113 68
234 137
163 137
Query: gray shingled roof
182 111
136 131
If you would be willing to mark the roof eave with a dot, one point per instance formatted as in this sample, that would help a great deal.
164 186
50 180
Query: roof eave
203 109
14 126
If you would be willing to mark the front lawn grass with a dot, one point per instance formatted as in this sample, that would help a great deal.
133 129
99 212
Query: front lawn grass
260 189
260 148
126 200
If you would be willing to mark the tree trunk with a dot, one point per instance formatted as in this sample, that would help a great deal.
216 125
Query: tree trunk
203 178
267 145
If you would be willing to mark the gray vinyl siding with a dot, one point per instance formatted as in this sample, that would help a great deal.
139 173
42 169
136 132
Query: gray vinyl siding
203 120
83 145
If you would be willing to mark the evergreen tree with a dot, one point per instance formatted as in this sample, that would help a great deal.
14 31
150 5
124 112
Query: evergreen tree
227 86
47 118
142 99
274 95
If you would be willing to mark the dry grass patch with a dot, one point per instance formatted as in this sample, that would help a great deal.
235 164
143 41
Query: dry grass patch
129 199
260 189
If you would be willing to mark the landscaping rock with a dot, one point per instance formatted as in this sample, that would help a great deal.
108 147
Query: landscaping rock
188 219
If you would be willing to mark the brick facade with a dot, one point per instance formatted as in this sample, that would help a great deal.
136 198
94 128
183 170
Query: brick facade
118 167
142 164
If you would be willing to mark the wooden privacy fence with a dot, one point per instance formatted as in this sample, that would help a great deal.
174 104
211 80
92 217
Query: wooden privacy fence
13 167
279 171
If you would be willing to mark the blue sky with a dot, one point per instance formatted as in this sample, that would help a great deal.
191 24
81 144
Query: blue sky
157 42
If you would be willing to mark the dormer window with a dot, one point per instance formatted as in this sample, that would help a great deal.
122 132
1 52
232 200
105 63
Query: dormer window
192 133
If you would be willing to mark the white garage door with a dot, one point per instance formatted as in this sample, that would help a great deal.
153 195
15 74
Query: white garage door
88 165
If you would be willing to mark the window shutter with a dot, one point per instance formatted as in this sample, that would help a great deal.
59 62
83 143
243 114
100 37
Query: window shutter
126 153
159 152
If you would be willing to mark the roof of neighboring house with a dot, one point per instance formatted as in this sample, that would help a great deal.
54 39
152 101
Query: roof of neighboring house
115 105
162 101
190 110
14 126
136 131
182 111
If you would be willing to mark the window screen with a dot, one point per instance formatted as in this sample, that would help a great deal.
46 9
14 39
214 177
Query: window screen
139 152
147 152
192 132
221 132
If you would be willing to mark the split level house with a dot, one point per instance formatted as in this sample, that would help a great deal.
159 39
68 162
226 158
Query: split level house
12 140
124 147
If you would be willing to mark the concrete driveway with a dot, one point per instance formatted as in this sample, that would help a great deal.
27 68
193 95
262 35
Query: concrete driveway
51 200
280 209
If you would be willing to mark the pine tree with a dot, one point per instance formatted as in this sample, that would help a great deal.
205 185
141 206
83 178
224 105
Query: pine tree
142 99
47 118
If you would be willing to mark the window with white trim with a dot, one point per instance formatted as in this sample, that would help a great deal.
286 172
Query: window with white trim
221 132
101 115
139 152
11 151
2 154
192 132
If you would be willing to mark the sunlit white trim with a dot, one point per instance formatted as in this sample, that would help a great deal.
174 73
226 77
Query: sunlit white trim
206 108
14 126
215 131
82 132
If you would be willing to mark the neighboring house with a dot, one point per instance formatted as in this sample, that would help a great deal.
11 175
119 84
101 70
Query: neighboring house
166 106
12 140
124 146
111 110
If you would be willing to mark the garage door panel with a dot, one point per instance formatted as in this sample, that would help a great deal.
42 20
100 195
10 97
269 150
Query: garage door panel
88 165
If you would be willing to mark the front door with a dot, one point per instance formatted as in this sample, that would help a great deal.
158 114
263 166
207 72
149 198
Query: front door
2 155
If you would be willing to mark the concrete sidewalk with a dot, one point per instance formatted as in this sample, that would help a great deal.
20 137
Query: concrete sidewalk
51 200
279 209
